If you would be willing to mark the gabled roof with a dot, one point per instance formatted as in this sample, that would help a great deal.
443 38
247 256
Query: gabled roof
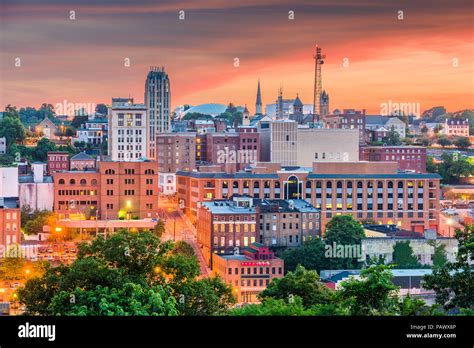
297 101
375 119
81 156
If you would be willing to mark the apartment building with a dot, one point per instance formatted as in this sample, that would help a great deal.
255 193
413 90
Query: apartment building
248 273
366 190
412 158
116 190
175 151
127 130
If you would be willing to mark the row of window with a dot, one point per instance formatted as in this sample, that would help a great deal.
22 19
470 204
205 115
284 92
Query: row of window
253 270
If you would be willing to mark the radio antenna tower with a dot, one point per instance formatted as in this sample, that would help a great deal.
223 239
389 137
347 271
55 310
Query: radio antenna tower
319 60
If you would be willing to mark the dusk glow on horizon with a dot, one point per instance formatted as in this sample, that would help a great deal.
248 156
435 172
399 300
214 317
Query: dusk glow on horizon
372 56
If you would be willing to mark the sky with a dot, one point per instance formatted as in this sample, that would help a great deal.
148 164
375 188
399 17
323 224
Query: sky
372 57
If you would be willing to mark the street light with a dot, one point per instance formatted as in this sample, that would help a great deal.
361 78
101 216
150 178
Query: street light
450 222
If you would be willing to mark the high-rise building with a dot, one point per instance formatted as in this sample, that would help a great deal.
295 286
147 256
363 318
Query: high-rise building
127 130
158 103
258 103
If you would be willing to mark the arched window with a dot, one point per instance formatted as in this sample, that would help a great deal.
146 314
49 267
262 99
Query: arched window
225 185
235 185
400 184
339 184
266 184
72 182
359 184
390 184
329 185
308 184
83 182
256 189
94 182
380 185
349 184
61 182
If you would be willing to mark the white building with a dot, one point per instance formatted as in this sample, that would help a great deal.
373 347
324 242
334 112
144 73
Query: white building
36 190
8 182
127 131
93 131
286 143
167 183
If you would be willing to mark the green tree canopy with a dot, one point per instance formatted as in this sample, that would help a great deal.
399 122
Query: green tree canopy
403 256
462 143
303 283
372 294
311 255
454 281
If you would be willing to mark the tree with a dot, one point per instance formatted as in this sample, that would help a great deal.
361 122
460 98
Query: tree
124 271
462 143
183 248
443 141
344 231
77 121
131 299
303 283
392 138
274 307
431 167
13 131
11 268
207 296
439 256
36 220
403 256
310 255
453 167
101 109
159 228
372 294
454 281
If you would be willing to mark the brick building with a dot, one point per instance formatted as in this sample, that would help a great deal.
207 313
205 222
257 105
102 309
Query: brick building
224 226
82 161
367 190
10 222
175 151
348 119
115 190
250 273
57 160
408 157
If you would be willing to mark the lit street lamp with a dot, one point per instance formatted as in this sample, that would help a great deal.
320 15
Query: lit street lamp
450 222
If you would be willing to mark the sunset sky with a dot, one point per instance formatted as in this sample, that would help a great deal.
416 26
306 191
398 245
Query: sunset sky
82 61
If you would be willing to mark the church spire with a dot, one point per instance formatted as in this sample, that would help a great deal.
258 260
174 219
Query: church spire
258 103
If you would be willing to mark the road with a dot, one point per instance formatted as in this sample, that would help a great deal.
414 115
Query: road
178 227
448 224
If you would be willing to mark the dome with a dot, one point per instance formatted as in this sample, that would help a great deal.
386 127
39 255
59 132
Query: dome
207 109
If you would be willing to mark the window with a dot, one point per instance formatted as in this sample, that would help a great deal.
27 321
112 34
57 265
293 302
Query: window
83 182
61 182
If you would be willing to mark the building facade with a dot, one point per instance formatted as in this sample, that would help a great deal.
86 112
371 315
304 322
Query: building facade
116 190
10 222
175 151
366 190
158 104
456 127
94 131
409 158
249 273
127 131
57 160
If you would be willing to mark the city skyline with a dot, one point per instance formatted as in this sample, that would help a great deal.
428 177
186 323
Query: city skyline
83 60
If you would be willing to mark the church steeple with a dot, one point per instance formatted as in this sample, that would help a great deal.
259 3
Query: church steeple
258 103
